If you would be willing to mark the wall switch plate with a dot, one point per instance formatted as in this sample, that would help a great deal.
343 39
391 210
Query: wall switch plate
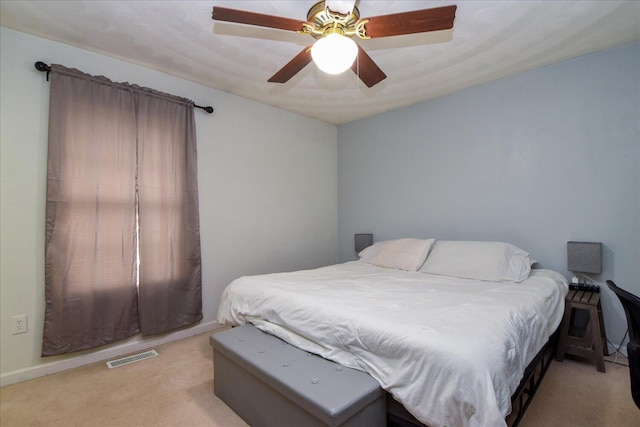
19 324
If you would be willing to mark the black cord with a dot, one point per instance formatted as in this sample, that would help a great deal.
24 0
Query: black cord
617 351
622 342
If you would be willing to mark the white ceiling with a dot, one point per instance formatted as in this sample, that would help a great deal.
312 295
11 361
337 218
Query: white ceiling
490 40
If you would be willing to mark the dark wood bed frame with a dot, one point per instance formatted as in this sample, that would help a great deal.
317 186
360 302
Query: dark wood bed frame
397 415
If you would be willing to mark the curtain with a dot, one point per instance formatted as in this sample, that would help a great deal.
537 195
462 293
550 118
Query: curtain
170 273
121 188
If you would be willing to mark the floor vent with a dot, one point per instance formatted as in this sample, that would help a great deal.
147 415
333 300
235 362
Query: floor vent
131 359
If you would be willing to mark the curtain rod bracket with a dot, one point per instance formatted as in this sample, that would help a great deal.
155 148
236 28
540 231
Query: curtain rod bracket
41 66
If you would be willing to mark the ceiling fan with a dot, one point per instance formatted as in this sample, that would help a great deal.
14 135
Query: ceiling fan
334 23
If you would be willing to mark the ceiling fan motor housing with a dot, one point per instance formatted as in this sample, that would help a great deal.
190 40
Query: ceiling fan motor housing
326 22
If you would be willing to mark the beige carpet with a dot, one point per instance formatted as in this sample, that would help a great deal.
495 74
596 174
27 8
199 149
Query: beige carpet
176 389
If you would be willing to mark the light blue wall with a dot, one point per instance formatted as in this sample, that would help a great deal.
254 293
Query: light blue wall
267 197
538 159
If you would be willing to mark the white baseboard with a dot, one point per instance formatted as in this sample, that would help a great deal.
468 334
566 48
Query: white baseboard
132 345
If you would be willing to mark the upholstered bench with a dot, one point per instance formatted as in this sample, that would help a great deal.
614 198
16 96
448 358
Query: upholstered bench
268 382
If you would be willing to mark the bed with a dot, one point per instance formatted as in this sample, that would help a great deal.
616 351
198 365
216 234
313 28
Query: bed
447 328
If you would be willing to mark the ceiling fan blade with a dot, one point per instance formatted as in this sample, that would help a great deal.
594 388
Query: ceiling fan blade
253 18
367 70
298 62
417 21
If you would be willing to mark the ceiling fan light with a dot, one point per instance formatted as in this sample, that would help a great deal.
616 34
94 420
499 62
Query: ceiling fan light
334 53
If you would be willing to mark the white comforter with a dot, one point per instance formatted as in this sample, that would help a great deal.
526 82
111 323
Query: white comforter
452 351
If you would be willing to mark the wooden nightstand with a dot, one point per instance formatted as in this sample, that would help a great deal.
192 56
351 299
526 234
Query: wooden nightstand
589 342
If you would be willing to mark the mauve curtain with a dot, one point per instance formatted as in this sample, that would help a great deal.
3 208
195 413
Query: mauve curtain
105 141
170 273
90 272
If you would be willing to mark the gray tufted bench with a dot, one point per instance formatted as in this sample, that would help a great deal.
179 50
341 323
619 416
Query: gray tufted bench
271 383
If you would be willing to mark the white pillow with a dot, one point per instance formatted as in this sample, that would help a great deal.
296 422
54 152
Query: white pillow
491 261
403 254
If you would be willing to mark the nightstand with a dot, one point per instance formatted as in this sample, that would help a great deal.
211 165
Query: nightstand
589 342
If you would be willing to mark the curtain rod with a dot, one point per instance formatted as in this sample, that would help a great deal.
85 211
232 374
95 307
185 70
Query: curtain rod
41 66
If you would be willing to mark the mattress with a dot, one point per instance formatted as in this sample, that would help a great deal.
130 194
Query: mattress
451 351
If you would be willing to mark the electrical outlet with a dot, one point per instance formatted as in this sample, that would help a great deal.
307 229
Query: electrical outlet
19 324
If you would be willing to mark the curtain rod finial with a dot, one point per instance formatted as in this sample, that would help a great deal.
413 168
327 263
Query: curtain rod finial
208 109
41 66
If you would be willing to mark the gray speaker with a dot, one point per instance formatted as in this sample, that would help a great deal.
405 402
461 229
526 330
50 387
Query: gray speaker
584 257
362 241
